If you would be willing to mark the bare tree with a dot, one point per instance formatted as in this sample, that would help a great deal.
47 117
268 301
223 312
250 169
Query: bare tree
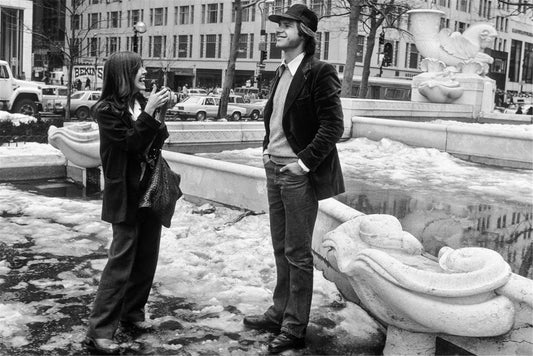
373 14
230 71
384 14
73 45
355 7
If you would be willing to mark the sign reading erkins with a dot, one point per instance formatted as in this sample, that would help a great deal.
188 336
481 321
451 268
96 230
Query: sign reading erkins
82 72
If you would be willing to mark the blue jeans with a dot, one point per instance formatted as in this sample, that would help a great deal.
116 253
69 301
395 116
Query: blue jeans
293 208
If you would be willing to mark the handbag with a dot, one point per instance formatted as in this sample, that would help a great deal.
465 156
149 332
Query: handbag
162 192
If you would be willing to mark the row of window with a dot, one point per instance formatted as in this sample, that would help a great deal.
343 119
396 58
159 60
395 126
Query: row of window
484 223
182 46
184 15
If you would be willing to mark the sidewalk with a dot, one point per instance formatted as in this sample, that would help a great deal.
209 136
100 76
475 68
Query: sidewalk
214 268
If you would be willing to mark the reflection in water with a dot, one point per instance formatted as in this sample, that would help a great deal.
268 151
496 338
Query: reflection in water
438 221
59 188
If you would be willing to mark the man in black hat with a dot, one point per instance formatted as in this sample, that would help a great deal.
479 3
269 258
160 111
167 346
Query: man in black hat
303 122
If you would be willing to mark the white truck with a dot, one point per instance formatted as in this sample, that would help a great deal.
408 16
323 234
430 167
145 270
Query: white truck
19 96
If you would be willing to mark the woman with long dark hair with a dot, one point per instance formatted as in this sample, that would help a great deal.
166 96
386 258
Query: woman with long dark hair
128 125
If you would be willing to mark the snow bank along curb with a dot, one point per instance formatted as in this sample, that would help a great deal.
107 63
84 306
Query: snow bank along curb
244 186
488 145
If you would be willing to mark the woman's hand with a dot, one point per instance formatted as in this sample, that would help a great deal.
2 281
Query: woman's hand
156 100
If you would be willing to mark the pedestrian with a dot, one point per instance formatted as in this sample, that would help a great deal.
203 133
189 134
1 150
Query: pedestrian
127 126
77 84
303 122
62 79
88 84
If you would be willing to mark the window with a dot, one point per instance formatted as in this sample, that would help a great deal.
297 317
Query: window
245 46
212 13
320 7
359 48
114 21
114 44
134 16
444 23
248 13
318 37
462 5
514 61
460 26
210 46
184 46
158 16
275 53
185 15
76 22
280 6
412 56
326 46
93 47
93 21
158 46
3 72
527 77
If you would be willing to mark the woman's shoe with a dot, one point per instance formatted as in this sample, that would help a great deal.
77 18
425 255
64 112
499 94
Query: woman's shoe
102 346
137 325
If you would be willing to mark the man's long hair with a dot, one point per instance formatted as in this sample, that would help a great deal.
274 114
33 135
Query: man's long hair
309 37
118 86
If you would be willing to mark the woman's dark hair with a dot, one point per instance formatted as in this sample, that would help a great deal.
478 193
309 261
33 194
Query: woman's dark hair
309 36
118 86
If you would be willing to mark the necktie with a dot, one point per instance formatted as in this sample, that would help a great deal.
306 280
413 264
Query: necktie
280 70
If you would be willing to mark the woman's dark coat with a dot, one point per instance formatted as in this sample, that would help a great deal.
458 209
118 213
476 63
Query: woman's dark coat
313 123
123 143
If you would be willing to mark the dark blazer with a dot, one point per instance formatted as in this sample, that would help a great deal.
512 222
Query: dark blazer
313 123
123 143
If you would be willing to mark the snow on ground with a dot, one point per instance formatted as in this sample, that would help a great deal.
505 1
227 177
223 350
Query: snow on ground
213 269
391 164
53 249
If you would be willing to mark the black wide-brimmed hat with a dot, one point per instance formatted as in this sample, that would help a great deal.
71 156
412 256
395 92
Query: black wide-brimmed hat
298 12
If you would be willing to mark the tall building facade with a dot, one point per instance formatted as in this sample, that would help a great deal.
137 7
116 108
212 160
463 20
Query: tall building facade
48 36
189 40
15 35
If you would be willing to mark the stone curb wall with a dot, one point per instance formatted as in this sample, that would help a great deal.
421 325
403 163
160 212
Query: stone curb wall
483 145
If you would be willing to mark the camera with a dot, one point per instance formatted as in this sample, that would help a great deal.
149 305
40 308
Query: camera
149 84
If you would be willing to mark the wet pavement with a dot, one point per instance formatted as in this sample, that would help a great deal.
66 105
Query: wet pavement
39 283
50 263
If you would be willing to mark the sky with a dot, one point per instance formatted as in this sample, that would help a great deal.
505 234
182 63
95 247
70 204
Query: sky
213 269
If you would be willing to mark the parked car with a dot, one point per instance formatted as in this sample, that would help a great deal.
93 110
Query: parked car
81 103
54 98
247 92
202 107
254 110
196 91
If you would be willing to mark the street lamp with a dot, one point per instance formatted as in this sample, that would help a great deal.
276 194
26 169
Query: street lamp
262 40
97 49
139 27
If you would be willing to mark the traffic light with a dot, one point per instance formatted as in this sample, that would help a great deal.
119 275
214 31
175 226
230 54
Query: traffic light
382 38
387 54
263 57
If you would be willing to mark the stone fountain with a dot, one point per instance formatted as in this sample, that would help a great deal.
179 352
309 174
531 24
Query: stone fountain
465 293
454 66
